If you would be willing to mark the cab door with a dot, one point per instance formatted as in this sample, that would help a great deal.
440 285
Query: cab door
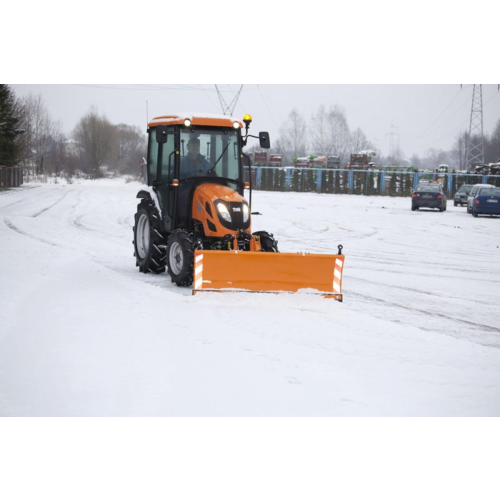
162 159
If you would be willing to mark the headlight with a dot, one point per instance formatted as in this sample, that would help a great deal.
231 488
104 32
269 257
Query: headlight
246 213
223 212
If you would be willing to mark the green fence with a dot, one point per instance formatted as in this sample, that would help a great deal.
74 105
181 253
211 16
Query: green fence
360 182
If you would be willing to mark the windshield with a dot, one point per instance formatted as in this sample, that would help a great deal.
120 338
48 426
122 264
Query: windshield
209 152
465 189
489 192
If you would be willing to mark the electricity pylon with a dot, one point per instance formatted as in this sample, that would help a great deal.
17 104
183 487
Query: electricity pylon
228 109
475 149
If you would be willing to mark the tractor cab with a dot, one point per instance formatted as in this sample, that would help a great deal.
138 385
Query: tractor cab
185 152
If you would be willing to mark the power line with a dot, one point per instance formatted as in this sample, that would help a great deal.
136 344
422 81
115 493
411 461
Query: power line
455 129
442 113
134 87
265 103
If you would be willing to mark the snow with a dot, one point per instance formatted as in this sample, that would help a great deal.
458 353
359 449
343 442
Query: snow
172 117
82 332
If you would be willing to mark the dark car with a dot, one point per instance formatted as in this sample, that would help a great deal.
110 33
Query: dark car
461 195
429 196
473 192
486 201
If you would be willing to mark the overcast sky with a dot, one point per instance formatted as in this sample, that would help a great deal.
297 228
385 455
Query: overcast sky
422 116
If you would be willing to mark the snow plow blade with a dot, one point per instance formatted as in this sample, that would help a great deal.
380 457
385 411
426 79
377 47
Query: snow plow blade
267 272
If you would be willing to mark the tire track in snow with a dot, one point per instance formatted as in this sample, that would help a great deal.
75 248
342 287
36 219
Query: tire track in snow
10 225
486 328
53 205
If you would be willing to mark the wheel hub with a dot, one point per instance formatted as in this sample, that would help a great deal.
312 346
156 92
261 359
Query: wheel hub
176 258
143 236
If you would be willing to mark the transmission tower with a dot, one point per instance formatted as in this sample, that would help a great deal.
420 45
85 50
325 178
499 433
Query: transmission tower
475 149
393 145
228 109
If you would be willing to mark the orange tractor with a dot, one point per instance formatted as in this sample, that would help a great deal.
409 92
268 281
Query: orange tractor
194 221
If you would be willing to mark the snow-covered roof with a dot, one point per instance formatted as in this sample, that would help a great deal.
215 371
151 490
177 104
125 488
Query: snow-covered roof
208 119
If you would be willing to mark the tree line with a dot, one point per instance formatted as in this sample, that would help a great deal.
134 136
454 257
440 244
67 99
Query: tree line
328 133
30 138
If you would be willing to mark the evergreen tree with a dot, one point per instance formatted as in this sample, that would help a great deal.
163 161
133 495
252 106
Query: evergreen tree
392 185
9 126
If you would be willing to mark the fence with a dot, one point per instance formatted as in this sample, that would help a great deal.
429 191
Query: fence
11 177
366 182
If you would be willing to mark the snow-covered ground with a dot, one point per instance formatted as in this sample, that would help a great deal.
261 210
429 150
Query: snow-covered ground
82 332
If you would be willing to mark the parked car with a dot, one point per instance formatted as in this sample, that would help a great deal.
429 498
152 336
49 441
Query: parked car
472 195
486 201
429 196
461 195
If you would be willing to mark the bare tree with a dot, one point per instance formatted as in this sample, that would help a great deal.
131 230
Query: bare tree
38 128
434 158
319 131
97 143
359 141
492 146
338 134
458 150
292 141
131 148
416 162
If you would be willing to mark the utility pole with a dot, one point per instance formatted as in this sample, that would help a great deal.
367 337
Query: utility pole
228 109
475 151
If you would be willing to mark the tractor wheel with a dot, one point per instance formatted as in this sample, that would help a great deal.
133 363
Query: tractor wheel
267 242
149 241
180 257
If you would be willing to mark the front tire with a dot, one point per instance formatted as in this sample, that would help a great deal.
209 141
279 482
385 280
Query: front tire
267 242
180 257
149 241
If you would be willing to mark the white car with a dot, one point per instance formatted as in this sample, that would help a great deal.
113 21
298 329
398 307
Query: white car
472 194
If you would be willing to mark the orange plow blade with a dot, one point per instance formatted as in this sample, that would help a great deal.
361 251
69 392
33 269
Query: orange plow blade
237 271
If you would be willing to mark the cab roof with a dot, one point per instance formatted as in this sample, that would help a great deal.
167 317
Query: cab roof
201 119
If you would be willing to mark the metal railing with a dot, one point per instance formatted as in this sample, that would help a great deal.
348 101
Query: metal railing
361 182
11 177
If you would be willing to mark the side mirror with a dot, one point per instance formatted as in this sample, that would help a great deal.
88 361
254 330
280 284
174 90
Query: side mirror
265 142
161 134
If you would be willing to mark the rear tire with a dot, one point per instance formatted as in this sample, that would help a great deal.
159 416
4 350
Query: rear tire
474 213
149 240
267 242
180 257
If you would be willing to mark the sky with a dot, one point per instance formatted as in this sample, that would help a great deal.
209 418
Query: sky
420 116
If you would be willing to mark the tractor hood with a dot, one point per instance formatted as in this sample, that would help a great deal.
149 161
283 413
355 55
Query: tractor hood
218 192
221 210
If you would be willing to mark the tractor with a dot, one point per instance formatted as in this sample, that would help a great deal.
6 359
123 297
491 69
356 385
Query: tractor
194 221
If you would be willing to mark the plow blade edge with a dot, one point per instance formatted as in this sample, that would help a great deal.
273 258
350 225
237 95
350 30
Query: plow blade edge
237 271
